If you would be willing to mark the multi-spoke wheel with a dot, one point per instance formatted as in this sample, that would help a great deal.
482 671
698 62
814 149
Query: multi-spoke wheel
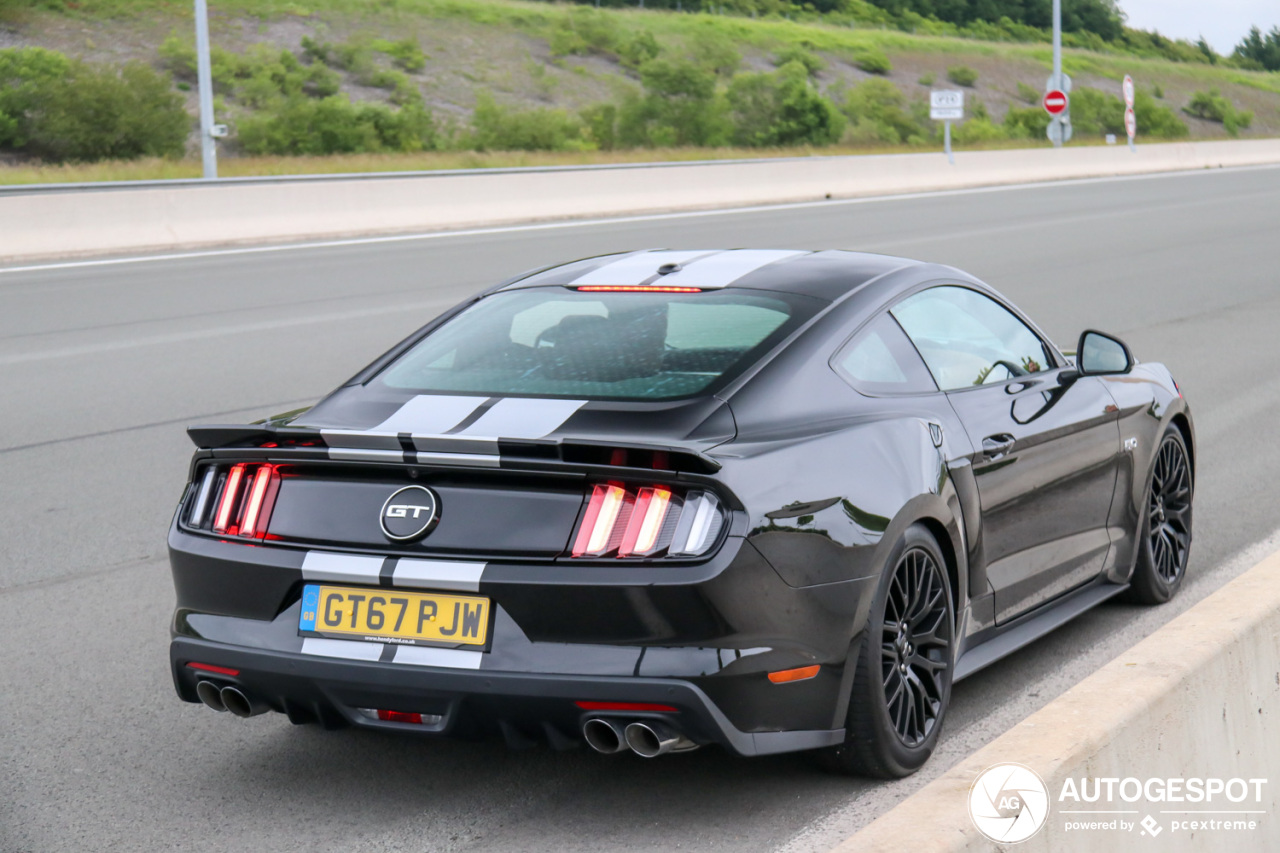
1165 542
903 684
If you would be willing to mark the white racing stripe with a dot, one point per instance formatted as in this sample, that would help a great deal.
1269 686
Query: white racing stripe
724 268
349 649
430 656
523 417
438 574
351 568
361 439
429 414
634 269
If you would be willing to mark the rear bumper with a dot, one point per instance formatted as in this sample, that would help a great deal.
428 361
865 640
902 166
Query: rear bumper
526 708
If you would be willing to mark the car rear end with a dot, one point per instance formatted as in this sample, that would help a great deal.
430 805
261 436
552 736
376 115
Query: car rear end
518 525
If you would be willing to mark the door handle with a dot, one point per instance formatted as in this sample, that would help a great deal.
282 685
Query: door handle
995 446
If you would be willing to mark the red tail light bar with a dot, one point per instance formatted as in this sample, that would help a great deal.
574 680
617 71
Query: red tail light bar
242 497
624 520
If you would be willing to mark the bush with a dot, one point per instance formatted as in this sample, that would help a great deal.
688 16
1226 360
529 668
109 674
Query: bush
1028 94
714 50
499 128
406 53
1156 120
67 110
1212 106
962 75
873 62
585 31
927 79
1026 123
335 125
811 61
782 108
600 126
639 49
878 113
679 107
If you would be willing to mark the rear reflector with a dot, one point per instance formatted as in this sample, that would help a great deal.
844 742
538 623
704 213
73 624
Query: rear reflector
626 706
400 717
803 673
208 667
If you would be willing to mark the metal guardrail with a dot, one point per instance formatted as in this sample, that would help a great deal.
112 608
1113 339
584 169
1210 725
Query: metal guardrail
109 186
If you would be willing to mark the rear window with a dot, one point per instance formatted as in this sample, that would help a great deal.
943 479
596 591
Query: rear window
559 342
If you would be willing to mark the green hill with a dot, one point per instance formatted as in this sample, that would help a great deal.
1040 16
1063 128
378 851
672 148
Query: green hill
340 84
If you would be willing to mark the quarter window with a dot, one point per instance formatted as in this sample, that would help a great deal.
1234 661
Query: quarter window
880 360
969 339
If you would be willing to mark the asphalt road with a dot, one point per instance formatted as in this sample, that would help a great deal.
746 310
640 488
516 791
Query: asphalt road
101 367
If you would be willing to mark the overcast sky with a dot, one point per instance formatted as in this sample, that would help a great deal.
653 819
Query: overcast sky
1223 23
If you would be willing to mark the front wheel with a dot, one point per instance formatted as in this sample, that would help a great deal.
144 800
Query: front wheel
1164 546
902 687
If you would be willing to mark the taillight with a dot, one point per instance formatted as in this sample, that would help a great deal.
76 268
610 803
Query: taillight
647 521
246 495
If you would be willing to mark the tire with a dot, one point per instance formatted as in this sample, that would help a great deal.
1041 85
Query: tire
1164 536
902 687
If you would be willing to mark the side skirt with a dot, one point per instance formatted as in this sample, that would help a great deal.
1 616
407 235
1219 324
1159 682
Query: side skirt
1034 626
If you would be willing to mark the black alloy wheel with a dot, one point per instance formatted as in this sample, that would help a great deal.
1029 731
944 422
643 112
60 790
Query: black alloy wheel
902 686
915 646
1165 544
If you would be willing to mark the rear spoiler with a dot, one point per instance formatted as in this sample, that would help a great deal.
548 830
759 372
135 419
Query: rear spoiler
577 452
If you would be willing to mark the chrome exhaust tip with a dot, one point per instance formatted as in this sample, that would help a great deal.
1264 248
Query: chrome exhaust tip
605 736
210 695
651 739
235 701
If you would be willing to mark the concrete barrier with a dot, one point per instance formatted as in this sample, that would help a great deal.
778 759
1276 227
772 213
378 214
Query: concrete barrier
51 221
1198 699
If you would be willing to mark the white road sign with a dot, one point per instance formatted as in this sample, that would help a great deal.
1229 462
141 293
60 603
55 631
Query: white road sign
1128 91
1130 123
946 105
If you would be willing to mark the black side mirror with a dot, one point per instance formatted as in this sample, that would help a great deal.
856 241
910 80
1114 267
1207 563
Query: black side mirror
1100 355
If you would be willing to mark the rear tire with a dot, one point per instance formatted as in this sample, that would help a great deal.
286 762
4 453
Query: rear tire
902 687
1164 536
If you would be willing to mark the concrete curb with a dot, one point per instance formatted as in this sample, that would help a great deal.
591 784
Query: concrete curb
41 224
1199 698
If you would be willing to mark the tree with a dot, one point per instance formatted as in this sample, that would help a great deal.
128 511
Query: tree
1264 50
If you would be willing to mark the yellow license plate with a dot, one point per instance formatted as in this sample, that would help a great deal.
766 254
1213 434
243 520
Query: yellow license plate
392 615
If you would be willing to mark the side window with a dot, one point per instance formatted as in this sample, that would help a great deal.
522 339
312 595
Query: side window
880 360
969 339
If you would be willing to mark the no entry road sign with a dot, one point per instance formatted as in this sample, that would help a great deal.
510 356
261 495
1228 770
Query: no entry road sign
1055 102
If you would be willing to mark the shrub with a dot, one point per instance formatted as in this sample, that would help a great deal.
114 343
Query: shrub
67 110
811 61
873 61
679 107
1028 94
1157 91
714 50
927 79
639 49
600 126
1156 120
962 75
335 125
782 108
406 53
878 113
1212 106
1026 123
499 128
585 31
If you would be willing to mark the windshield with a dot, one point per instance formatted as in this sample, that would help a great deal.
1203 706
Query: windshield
559 342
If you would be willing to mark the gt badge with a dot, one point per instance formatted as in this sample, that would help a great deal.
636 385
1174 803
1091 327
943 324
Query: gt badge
410 514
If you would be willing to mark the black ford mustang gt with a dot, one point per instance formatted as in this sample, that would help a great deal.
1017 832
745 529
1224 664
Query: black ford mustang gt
771 500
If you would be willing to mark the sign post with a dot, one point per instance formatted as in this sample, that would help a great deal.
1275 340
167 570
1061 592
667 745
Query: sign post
1059 130
208 149
946 105
1130 120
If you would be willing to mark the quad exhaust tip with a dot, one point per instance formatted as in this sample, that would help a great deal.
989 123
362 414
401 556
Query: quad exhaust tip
210 695
605 736
239 704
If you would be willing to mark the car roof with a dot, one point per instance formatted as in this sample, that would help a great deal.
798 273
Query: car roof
826 275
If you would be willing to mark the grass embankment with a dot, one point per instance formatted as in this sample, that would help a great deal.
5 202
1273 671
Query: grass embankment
554 71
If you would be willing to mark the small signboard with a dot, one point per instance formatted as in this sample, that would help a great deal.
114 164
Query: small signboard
1127 87
1130 123
946 105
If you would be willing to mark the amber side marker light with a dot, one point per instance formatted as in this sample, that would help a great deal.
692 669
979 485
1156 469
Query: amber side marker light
803 673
